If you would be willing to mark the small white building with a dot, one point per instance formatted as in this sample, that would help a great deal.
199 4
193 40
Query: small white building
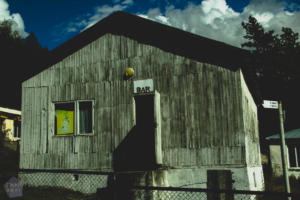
292 139
10 123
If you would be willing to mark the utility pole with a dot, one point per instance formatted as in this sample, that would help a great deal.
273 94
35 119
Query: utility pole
275 105
283 152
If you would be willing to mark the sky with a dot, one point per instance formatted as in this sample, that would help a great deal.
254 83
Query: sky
56 21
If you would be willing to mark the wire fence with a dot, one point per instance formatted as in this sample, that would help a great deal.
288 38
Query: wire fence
85 182
107 187
170 193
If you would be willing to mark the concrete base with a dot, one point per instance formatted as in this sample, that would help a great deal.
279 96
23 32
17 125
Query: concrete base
250 178
243 178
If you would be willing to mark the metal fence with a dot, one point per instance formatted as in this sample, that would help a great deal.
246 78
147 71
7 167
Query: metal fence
107 189
170 193
82 181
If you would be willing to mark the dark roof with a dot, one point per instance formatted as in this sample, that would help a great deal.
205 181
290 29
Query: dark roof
292 134
159 35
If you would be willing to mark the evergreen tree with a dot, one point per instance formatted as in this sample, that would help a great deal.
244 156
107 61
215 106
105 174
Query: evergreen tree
276 62
20 59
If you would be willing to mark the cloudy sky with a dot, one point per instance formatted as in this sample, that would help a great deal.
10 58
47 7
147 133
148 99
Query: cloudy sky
56 21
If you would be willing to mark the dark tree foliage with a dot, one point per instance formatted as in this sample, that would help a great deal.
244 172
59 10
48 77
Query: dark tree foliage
275 60
19 60
259 40
275 55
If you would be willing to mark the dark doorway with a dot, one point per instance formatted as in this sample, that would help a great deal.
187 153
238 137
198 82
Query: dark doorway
137 150
144 111
144 107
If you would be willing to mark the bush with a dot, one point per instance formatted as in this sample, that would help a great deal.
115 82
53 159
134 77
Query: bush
2 136
295 184
277 184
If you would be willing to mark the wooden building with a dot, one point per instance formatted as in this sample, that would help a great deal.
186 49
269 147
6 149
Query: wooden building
185 116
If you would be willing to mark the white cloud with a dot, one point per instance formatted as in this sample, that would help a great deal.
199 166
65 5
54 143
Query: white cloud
70 30
84 22
102 12
216 20
18 23
156 15
127 2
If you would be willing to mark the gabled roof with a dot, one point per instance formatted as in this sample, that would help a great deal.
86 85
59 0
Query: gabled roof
159 35
292 134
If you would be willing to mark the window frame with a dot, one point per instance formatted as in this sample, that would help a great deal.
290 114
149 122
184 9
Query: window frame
297 156
76 118
17 125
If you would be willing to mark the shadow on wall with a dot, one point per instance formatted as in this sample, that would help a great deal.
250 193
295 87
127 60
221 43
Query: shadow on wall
133 162
136 152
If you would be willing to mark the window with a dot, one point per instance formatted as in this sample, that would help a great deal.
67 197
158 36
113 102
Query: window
74 118
294 155
17 129
85 117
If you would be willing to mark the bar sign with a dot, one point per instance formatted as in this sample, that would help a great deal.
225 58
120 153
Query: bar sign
143 86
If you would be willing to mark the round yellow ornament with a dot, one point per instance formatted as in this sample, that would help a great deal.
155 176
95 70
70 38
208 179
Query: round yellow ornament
129 72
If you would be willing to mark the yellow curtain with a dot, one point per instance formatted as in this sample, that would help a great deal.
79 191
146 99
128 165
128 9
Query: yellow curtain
65 122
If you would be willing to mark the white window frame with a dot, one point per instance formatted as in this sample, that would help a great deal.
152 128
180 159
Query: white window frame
297 159
76 118
17 130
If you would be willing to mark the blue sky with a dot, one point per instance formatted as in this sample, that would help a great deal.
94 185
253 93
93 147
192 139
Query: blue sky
56 21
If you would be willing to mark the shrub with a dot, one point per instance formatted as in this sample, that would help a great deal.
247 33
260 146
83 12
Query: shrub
2 136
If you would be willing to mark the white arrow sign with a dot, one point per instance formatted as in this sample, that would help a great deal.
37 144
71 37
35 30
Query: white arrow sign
270 104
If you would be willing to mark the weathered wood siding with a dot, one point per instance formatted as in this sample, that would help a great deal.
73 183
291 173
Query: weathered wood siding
202 116
250 127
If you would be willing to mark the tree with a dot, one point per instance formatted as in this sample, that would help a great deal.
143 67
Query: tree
288 39
276 62
275 56
272 50
9 39
19 59
6 33
259 40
